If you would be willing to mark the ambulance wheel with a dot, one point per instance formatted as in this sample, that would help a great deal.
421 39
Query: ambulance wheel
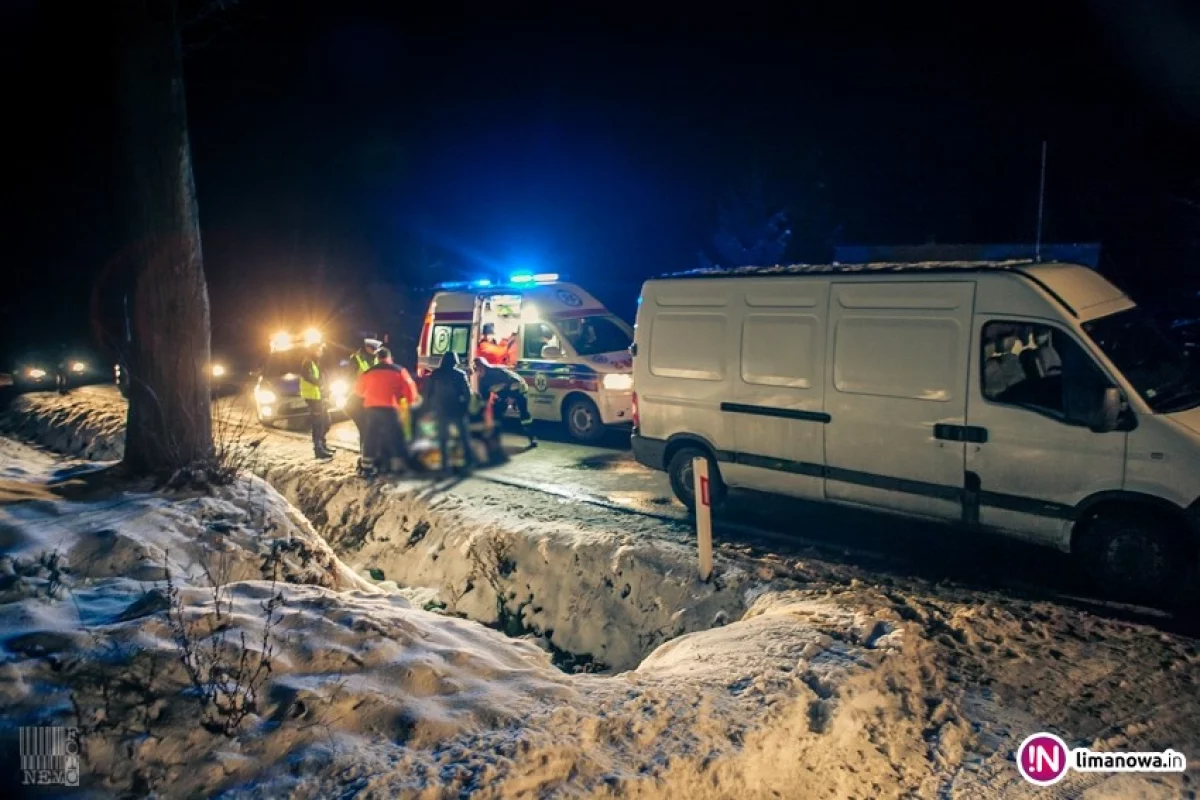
583 420
683 480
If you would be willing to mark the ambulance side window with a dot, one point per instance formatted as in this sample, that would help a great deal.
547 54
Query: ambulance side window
447 338
537 336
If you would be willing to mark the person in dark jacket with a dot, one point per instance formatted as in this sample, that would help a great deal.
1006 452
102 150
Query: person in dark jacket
508 386
448 398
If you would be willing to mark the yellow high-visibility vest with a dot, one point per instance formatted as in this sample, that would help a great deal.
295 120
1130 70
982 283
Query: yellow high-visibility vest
310 381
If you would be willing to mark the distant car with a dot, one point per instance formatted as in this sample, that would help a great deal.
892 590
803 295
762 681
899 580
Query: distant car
34 374
223 378
43 372
277 393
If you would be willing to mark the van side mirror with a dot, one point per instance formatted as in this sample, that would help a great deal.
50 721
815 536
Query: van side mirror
1098 409
1109 414
549 351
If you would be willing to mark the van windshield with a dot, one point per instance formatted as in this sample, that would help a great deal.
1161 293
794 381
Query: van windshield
591 336
1156 366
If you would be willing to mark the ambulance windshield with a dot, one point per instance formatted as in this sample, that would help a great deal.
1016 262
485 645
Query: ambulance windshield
591 336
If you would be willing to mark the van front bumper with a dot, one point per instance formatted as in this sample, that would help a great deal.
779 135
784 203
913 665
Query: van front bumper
648 452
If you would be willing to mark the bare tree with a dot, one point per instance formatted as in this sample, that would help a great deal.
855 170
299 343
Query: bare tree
170 423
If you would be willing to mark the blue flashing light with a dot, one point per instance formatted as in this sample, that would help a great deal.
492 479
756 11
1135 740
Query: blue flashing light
521 277
483 282
546 277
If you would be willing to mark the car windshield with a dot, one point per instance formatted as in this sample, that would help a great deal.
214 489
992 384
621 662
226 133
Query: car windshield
591 336
1156 366
285 362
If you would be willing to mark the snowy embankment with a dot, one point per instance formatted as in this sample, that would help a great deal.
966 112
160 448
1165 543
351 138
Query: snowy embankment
601 594
363 693
826 679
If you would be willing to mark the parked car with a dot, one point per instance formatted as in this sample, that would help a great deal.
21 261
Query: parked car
277 391
1036 400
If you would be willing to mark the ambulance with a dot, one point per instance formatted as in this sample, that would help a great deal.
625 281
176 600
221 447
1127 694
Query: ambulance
572 352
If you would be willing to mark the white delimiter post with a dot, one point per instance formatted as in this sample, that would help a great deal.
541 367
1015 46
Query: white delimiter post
703 517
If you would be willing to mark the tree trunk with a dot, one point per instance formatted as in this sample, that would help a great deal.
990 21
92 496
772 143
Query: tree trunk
170 419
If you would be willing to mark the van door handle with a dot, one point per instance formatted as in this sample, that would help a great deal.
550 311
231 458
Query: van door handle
960 433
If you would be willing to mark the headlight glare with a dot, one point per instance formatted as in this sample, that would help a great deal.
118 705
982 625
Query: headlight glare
618 381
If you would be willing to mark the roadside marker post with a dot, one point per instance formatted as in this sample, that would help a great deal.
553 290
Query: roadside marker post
703 517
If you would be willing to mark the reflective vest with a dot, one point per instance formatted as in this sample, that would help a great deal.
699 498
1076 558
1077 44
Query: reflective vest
362 362
310 380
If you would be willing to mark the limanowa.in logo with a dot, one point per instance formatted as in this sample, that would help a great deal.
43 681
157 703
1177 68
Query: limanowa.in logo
1044 759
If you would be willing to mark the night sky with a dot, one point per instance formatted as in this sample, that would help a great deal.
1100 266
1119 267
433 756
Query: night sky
337 145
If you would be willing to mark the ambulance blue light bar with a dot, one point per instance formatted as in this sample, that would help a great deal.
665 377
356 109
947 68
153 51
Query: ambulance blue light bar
525 277
482 283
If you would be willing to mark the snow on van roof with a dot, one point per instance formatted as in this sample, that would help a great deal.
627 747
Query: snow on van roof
835 267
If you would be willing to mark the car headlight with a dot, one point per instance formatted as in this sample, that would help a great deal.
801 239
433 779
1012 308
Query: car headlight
217 370
618 381
78 366
36 373
339 392
265 397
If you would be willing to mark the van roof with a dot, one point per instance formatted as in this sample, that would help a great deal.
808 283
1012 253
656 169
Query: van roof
807 269
1084 292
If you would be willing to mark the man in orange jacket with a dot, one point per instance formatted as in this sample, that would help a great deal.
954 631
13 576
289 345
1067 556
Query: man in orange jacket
488 348
381 388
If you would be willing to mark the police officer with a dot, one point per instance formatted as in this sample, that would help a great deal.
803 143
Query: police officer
310 392
507 386
363 359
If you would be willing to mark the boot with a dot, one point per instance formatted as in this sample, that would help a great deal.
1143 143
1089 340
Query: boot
532 439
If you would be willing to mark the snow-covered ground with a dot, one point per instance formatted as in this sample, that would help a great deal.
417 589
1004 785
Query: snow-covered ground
824 677
368 694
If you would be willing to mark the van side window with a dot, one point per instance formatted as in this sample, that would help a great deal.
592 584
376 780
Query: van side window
450 338
1036 367
538 335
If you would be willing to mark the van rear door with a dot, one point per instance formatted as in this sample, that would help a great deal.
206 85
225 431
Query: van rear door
897 366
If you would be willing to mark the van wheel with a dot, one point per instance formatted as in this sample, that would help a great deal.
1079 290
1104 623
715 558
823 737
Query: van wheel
1134 555
683 479
583 420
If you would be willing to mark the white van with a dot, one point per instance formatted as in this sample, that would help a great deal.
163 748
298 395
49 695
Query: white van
1032 399
572 352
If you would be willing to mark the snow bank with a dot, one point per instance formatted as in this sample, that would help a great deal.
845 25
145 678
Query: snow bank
867 683
595 588
366 694
91 426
